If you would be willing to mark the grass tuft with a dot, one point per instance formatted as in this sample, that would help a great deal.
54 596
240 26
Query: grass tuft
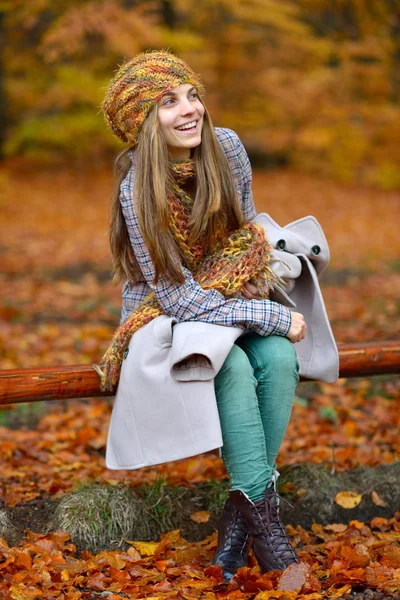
159 501
98 517
7 529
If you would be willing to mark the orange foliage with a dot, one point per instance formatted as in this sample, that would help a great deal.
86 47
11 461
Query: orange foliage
318 80
46 566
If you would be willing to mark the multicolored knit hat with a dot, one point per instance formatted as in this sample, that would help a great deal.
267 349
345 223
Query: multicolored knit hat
138 85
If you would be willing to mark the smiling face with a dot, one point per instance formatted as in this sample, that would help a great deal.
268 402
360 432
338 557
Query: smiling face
180 115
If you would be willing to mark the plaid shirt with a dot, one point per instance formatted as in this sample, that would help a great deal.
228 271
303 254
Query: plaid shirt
189 301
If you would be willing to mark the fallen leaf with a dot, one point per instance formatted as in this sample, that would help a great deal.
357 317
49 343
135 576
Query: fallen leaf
377 500
22 592
380 523
160 564
348 499
164 586
23 560
97 581
391 557
145 548
114 560
356 557
339 592
270 595
154 597
336 527
133 553
201 516
294 577
214 571
356 524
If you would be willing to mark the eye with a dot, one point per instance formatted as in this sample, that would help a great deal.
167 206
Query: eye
167 102
193 95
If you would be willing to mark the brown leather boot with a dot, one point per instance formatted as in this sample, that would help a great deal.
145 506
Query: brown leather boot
271 544
233 541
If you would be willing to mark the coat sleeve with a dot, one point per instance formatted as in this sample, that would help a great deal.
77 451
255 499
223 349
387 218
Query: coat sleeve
189 301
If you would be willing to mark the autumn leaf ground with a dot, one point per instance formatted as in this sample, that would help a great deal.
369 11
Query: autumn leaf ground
58 307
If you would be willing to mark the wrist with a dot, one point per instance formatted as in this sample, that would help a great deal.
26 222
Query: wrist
282 320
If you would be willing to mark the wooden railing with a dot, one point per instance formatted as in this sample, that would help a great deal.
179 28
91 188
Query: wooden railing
81 381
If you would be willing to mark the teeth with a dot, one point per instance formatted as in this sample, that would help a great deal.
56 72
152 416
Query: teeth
187 126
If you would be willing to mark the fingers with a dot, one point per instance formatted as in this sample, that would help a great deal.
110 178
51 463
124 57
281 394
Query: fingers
298 328
250 291
247 294
251 288
301 335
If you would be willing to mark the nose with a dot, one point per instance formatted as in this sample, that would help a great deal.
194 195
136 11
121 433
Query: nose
187 107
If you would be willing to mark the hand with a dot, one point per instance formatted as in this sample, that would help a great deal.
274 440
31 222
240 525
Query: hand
250 292
297 329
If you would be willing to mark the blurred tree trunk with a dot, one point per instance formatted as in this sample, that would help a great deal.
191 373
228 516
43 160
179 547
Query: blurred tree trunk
3 122
168 13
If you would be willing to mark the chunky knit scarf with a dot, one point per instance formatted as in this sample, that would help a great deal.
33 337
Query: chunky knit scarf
239 257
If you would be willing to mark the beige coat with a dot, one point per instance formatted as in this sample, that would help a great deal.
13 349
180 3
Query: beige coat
303 257
165 407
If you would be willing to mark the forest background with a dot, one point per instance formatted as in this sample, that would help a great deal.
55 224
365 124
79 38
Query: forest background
312 87
313 84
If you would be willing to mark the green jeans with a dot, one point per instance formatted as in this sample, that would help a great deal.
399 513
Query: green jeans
255 390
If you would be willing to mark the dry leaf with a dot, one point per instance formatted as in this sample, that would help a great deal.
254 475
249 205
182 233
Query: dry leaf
201 516
154 597
272 595
377 500
336 527
65 575
133 553
348 499
356 557
339 592
294 577
380 523
145 548
356 524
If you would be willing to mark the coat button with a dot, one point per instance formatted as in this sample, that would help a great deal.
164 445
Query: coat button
316 250
281 244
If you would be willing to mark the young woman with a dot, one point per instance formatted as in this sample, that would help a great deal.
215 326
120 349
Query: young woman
182 238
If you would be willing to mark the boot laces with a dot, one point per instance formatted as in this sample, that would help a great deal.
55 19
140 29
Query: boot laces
240 532
273 521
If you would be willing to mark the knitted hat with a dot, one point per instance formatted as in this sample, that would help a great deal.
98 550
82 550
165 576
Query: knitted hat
138 85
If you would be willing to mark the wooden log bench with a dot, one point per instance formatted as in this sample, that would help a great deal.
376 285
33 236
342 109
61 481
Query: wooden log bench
81 381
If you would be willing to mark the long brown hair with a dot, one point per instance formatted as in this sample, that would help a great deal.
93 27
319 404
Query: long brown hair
216 206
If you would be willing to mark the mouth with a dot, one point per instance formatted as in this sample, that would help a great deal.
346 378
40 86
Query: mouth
190 127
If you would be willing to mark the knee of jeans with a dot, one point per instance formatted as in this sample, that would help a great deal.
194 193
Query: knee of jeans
237 363
280 355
